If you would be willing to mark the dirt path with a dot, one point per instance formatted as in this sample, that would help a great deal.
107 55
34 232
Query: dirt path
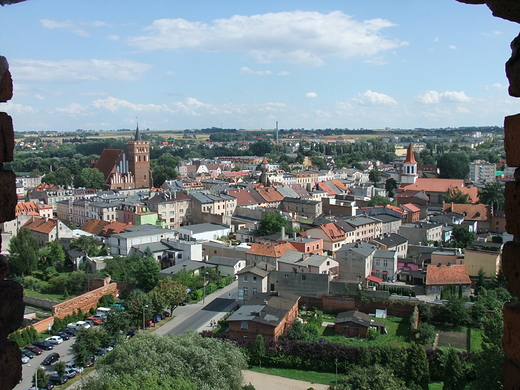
271 382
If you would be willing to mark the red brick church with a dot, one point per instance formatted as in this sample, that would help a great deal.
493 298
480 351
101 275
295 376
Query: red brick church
127 170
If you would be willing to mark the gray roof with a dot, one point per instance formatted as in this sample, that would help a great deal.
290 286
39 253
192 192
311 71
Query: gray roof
360 247
391 240
302 201
190 265
255 269
384 254
310 261
222 260
359 220
204 227
142 230
210 198
386 218
422 225
354 316
217 245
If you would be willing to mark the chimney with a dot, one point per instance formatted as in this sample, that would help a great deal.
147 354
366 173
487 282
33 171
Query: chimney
283 232
294 235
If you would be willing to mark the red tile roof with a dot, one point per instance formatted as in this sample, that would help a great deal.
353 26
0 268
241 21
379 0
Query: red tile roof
271 250
324 187
410 158
340 185
444 275
108 161
474 212
411 207
94 226
269 194
114 227
41 225
333 232
246 197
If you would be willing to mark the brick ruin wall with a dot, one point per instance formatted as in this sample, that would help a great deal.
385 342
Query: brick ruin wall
11 304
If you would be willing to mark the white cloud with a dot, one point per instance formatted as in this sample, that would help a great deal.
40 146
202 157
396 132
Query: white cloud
17 108
311 95
72 109
39 96
433 97
298 36
73 70
113 104
374 98
436 39
113 37
247 70
496 86
452 47
67 24
283 73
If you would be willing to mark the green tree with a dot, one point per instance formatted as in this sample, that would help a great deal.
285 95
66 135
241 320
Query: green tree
461 236
425 332
89 178
373 377
257 348
136 304
417 373
379 200
272 223
118 320
41 378
147 273
209 363
23 250
170 292
87 340
60 367
374 176
138 381
88 244
299 331
454 377
492 194
319 162
390 186
455 195
54 254
453 166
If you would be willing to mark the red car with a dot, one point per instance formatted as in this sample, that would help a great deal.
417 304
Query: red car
35 349
148 323
94 320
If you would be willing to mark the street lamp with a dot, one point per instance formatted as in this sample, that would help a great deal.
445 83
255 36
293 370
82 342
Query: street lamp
144 307
204 288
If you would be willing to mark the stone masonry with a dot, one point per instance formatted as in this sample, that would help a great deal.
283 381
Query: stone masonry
11 293
510 10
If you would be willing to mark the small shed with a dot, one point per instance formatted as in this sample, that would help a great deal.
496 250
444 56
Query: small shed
353 323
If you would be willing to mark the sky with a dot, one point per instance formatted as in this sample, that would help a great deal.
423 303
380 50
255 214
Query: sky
176 65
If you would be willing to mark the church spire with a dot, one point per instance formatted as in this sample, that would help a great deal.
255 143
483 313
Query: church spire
410 158
137 133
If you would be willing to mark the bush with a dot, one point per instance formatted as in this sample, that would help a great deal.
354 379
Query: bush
372 334
196 295
106 300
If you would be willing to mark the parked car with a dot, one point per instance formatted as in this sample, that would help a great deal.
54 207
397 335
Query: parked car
71 331
51 359
35 349
166 314
91 361
183 303
100 351
48 386
63 335
45 345
25 359
70 373
54 340
148 322
94 321
26 352
56 379
72 365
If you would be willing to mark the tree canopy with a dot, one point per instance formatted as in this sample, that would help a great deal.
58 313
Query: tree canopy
453 166
188 361
272 223
492 194
23 250
374 176
89 178
461 237
455 195
379 200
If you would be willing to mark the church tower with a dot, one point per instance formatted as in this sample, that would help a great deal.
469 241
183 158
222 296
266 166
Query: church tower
139 161
409 173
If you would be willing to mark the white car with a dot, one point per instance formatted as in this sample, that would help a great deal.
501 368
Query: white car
25 359
72 365
54 340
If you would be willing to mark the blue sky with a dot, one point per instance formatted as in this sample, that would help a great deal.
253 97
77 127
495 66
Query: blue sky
178 65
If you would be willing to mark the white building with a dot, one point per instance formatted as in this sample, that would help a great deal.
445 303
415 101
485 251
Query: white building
481 171
203 231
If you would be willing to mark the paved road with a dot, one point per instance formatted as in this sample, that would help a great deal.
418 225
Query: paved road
195 316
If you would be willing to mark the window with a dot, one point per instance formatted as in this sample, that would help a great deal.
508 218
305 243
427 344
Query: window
171 212
385 263
286 276
377 262
254 279
254 291
244 325
304 277
246 291
245 278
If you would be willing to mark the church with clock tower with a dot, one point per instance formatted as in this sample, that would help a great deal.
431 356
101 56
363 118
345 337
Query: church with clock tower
127 170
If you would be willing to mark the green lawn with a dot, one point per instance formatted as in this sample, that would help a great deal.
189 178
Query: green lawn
324 378
52 297
398 334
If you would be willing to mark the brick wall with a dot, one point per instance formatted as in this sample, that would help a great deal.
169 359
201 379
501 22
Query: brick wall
43 325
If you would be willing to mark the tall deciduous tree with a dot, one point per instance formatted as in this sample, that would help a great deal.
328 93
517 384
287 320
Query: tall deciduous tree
454 376
168 293
453 165
461 236
390 186
417 373
379 200
492 194
23 250
88 244
374 176
257 348
272 223
89 178
373 377
455 195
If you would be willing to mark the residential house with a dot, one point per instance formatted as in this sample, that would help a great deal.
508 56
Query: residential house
203 231
211 248
305 244
413 212
439 277
385 265
356 261
479 213
425 233
393 242
271 197
306 208
122 244
47 229
304 263
227 266
389 223
353 323
137 213
268 314
447 256
172 207
248 198
268 253
171 252
333 237
217 204
253 280
34 209
488 261
97 227
366 228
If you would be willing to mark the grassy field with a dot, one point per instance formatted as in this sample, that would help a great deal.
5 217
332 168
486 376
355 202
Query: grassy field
324 378
398 334
51 297
456 337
